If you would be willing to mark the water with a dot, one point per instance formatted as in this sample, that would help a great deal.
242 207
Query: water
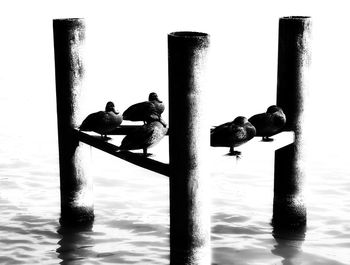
131 207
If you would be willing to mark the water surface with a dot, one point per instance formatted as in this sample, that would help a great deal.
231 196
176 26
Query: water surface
132 208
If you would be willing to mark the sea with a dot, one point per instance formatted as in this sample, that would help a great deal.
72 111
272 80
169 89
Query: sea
132 208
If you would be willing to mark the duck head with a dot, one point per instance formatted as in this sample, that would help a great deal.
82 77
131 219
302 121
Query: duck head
273 109
153 97
240 120
110 107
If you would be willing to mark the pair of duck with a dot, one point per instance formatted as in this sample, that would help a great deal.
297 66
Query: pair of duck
143 137
241 129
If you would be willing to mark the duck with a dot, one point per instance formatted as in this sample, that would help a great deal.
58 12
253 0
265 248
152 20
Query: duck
145 136
269 123
146 111
102 122
232 134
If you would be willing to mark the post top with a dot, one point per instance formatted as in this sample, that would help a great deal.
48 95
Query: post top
69 22
296 18
68 19
188 34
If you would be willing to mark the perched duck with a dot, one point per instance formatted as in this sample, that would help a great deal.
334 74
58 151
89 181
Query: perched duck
269 123
232 134
144 136
102 122
145 111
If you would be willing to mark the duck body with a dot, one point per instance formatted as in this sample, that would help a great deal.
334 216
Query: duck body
145 111
144 137
269 123
102 122
232 134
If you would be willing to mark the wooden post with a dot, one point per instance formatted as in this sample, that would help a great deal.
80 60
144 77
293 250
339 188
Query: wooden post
76 188
289 209
189 147
293 66
294 58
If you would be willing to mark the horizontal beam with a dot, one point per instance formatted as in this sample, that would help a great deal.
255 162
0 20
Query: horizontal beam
130 157
142 161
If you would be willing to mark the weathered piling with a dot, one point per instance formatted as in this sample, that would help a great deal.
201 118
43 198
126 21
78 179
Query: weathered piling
294 58
75 186
289 209
188 146
293 66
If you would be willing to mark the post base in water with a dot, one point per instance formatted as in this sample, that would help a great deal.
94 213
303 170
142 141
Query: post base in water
288 205
192 256
288 212
78 216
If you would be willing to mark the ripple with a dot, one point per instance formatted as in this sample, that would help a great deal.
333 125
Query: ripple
106 254
229 218
226 229
132 222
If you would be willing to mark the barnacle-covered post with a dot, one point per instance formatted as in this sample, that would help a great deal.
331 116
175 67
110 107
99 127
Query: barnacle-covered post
75 186
189 147
294 58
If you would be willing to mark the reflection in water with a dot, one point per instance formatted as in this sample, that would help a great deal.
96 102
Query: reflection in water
289 244
86 245
75 244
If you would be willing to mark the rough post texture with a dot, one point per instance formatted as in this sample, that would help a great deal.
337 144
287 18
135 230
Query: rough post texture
289 210
188 147
294 57
76 188
293 66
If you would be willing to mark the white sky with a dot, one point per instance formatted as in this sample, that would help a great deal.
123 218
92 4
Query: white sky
127 57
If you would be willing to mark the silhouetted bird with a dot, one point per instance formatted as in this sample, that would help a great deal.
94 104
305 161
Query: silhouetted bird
269 123
145 111
102 122
144 136
232 134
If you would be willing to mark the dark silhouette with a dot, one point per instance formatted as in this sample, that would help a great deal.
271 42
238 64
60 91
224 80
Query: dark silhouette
144 136
102 122
232 134
145 111
269 123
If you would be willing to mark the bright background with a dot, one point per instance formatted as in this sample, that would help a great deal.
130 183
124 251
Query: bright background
126 49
